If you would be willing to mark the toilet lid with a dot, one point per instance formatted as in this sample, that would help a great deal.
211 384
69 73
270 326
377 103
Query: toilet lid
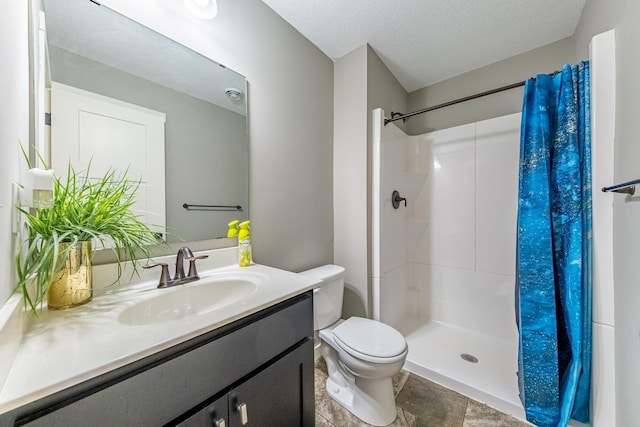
370 337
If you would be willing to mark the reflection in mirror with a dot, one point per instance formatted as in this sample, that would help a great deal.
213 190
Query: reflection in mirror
126 97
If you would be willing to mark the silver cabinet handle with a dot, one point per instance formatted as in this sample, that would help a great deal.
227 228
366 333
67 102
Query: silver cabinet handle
220 423
242 408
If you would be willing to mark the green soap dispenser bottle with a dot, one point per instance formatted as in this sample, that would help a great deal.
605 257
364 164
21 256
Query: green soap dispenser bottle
244 244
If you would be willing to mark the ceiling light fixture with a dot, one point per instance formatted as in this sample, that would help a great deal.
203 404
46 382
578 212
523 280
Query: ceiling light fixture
203 9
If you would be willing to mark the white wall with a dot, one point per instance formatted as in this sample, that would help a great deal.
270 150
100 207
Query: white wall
603 112
14 116
623 16
290 120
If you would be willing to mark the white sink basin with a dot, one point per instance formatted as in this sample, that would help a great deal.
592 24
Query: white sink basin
193 299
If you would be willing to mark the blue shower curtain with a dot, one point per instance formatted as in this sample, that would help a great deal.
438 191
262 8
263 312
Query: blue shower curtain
553 274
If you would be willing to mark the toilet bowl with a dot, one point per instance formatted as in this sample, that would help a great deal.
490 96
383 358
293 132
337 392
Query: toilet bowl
362 355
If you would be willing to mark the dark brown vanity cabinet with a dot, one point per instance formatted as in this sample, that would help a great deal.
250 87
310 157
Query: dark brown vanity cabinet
215 414
271 398
257 371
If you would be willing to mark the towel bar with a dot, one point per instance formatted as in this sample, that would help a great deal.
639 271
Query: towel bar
188 206
625 188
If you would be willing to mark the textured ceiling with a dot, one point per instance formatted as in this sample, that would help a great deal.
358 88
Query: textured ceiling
423 42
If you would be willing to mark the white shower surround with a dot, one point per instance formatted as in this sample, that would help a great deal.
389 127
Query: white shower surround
444 266
444 310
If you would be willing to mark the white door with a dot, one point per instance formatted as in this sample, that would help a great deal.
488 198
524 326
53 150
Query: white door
87 128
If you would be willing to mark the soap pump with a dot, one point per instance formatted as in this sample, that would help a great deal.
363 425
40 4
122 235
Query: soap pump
244 244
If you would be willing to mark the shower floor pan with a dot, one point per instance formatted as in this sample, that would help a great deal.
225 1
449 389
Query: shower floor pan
446 354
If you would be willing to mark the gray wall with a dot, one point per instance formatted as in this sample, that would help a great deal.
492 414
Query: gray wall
545 59
623 16
291 133
206 145
350 195
383 90
362 83
290 121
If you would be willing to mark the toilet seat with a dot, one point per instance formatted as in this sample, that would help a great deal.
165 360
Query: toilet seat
370 340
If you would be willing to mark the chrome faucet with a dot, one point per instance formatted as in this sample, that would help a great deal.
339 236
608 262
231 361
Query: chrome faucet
179 278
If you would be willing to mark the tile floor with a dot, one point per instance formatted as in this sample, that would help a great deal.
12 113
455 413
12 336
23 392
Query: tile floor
420 402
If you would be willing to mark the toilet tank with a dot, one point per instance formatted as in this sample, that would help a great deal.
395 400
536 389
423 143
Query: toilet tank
327 299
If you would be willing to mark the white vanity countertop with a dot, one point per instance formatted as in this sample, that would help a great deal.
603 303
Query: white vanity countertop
63 348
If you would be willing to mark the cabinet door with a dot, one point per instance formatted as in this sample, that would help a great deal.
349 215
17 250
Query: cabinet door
214 415
281 395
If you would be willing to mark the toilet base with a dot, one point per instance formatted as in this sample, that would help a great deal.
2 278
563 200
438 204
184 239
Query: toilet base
371 400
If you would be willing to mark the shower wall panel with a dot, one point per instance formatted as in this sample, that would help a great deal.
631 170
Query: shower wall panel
448 197
449 255
463 266
395 167
497 158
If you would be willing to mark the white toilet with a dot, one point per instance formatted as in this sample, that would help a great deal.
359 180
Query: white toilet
362 355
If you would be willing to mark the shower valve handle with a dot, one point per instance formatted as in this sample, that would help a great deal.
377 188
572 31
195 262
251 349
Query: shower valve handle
396 199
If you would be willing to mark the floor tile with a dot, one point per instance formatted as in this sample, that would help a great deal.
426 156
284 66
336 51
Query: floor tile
399 381
481 415
420 403
432 404
322 421
404 419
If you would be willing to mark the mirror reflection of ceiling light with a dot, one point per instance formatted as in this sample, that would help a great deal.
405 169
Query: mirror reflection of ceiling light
203 9
233 94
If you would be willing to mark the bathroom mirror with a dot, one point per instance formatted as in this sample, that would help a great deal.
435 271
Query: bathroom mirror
202 107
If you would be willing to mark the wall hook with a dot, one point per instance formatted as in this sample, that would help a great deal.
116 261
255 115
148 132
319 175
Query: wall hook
396 199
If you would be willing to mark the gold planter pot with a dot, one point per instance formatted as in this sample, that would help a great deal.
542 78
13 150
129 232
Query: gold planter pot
73 285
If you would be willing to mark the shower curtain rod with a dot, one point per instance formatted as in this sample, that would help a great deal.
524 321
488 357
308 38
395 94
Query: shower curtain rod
456 101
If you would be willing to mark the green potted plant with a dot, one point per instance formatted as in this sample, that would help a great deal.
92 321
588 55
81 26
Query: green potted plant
54 261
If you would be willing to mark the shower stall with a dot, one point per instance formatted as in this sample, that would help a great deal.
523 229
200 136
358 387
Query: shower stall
443 263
